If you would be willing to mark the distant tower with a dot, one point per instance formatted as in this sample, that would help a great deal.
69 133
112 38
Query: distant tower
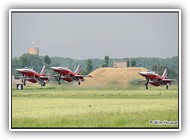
33 50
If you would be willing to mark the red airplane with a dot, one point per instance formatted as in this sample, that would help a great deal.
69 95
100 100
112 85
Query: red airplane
157 80
68 75
33 76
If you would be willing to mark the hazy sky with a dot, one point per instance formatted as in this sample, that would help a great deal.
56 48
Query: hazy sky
94 35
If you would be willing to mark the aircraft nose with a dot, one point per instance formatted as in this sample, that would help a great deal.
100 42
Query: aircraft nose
19 70
55 68
142 73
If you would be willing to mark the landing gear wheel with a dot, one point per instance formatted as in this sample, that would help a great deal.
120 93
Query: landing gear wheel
79 83
43 84
146 86
59 79
167 87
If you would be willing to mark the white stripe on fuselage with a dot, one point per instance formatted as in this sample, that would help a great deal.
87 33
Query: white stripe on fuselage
26 70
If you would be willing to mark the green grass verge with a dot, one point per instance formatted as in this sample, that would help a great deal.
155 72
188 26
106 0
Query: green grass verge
102 108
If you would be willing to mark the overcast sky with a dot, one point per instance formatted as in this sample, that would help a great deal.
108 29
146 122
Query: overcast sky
95 35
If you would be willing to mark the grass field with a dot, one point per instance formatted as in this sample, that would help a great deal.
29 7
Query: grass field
72 107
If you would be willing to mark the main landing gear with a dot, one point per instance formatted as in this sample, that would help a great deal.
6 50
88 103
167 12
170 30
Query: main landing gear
59 79
146 84
78 82
24 82
43 84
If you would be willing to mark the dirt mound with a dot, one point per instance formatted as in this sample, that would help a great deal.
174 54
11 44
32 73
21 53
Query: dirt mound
110 77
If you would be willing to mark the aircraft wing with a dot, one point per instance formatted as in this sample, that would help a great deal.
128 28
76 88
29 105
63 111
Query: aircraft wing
44 77
28 78
55 76
22 77
80 76
169 80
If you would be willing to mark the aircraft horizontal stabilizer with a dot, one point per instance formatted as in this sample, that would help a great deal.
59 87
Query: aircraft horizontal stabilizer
55 76
22 77
169 80
83 76
90 76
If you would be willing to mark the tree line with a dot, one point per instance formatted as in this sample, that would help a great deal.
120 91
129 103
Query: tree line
88 65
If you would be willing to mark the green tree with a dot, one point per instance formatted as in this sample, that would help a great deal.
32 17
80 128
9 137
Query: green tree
31 61
106 60
35 62
159 69
15 65
47 59
89 66
104 65
24 60
172 74
154 68
133 63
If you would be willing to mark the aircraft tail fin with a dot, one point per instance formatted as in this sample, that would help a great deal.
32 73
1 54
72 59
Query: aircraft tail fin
43 71
165 73
78 70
